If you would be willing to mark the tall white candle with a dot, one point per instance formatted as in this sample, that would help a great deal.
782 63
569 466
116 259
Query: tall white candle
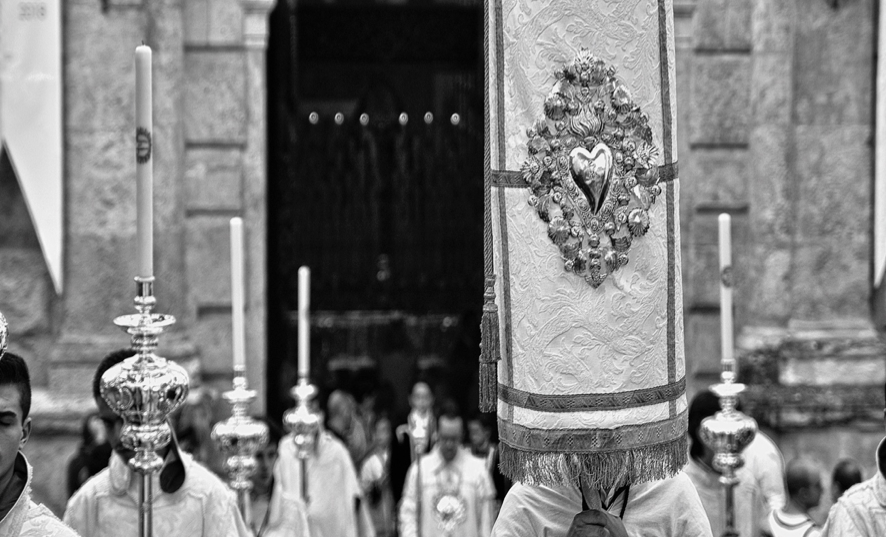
144 192
726 280
304 330
237 294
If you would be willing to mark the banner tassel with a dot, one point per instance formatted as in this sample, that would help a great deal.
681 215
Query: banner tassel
489 349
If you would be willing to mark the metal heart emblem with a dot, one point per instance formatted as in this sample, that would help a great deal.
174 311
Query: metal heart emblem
592 172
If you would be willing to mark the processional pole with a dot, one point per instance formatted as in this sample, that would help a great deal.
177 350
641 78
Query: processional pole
4 334
240 437
145 389
419 429
728 432
303 421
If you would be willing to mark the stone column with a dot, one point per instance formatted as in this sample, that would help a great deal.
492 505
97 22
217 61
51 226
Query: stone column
255 172
810 349
226 176
714 172
99 45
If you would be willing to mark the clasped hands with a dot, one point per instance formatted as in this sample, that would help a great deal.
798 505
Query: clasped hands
596 523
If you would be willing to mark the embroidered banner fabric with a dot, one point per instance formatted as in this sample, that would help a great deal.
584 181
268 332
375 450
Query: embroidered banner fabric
591 380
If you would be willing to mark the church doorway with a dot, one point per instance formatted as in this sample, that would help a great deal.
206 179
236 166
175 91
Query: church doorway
375 117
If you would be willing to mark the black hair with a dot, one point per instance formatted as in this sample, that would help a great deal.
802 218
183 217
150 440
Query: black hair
449 411
108 362
275 431
486 420
14 370
703 405
847 472
799 474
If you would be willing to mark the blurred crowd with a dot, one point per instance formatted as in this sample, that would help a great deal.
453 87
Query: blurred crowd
372 454
378 449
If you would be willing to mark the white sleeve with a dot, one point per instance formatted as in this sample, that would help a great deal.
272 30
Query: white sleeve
408 505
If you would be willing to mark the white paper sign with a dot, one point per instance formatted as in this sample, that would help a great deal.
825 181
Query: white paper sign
31 115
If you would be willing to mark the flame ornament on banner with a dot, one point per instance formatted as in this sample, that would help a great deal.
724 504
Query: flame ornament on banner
591 168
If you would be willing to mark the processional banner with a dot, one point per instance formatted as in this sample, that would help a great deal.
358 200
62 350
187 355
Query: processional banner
582 242
31 115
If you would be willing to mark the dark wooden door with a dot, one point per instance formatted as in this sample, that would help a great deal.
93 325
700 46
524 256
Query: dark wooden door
375 182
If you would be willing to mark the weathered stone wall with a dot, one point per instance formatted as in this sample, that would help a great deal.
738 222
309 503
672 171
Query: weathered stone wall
779 128
210 165
777 115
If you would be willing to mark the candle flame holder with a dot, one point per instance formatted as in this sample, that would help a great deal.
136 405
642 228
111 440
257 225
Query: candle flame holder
144 390
728 433
304 424
419 434
240 437
4 335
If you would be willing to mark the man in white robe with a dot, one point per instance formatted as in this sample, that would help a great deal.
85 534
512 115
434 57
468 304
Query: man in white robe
455 489
335 503
760 488
19 516
861 510
666 508
275 513
189 500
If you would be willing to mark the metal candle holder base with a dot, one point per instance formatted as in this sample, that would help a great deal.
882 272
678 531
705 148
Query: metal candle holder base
144 390
728 433
304 424
240 437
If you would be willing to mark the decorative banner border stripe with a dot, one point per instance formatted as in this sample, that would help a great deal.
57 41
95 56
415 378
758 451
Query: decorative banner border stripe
500 81
667 140
507 351
592 401
512 179
576 441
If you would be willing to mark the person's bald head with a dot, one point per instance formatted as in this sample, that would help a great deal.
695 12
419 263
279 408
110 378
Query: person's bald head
803 480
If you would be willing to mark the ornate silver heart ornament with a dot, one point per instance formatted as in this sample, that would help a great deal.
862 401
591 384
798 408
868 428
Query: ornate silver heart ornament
591 170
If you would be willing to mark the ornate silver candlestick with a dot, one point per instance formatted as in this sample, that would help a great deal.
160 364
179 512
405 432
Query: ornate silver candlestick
728 433
304 424
4 334
144 390
240 437
419 436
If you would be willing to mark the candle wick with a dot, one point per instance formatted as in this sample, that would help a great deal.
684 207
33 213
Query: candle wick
143 42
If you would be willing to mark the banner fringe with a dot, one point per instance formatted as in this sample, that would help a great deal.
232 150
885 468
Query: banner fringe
599 470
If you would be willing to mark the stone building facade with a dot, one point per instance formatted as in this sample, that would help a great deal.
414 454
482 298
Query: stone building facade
209 143
776 101
777 107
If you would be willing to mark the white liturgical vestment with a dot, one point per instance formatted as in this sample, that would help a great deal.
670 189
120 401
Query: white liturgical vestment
751 512
456 497
666 508
28 519
861 510
107 504
333 489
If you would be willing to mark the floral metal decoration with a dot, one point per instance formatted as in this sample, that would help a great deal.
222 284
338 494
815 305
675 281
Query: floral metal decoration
591 168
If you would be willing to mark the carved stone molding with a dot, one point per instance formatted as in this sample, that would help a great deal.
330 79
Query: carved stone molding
255 22
815 377
683 12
